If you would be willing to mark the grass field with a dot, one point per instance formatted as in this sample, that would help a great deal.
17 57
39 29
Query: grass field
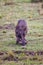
10 14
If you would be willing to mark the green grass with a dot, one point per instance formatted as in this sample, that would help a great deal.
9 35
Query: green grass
11 14
27 63
16 1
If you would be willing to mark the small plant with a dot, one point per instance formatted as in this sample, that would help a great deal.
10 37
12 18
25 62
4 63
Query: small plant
4 31
0 16
11 36
10 53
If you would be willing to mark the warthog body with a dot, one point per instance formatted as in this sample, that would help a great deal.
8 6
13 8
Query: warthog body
21 31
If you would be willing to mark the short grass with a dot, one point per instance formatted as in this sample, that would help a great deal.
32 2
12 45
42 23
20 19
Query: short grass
11 14
16 1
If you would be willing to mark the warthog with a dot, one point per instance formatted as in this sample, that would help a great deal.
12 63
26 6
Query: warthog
21 31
